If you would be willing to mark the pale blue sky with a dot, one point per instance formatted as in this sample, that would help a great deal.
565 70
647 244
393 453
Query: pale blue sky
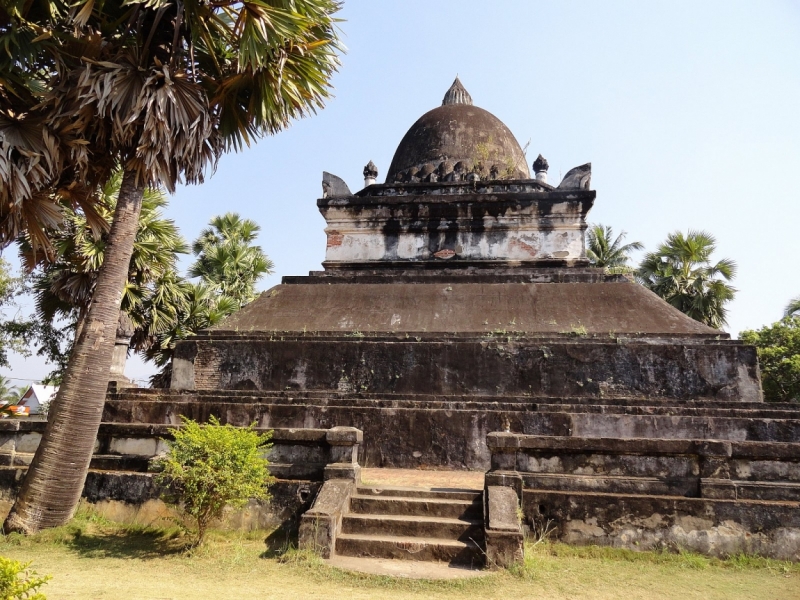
688 111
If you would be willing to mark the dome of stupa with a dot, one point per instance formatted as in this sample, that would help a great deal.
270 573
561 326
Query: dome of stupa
458 136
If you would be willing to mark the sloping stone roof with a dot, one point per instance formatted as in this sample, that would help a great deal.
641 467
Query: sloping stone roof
623 308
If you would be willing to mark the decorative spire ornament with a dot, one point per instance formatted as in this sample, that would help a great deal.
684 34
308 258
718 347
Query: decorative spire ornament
540 166
370 174
457 94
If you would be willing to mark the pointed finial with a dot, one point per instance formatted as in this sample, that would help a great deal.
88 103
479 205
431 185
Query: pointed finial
457 94
370 174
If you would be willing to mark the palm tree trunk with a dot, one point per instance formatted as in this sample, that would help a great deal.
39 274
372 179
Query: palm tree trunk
82 314
54 482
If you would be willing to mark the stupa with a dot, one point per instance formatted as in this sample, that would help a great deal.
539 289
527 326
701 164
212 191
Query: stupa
455 298
457 325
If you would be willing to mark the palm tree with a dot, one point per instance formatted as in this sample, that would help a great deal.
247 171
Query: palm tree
229 266
226 258
604 250
203 306
63 285
160 88
680 271
793 308
10 394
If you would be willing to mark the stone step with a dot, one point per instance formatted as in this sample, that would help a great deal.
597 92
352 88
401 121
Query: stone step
99 462
464 530
411 492
410 548
424 507
768 490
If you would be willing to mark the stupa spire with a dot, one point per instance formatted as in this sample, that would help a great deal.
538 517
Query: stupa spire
457 94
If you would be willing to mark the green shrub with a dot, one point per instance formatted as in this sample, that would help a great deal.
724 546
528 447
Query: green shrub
212 466
778 347
17 582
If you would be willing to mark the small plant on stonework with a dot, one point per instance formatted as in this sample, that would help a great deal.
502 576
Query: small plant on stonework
18 582
578 330
211 466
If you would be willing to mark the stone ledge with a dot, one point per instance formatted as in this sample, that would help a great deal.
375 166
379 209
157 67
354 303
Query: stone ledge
501 441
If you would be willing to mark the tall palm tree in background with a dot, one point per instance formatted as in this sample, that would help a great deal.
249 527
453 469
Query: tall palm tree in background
681 272
160 88
203 307
64 279
606 251
229 265
227 258
793 308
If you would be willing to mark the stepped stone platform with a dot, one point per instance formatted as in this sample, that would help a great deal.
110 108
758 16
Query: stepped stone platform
414 430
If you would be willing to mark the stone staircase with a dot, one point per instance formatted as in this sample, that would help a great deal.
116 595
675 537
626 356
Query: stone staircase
414 524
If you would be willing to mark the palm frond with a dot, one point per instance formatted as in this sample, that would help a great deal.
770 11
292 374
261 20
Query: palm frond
680 272
604 250
793 308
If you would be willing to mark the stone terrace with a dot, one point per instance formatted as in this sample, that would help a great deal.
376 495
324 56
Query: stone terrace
414 431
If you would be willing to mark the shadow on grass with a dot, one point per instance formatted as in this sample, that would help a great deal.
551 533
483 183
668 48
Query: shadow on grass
281 540
145 544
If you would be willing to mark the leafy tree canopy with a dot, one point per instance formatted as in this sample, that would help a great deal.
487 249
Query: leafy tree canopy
779 356
681 272
15 332
160 87
229 265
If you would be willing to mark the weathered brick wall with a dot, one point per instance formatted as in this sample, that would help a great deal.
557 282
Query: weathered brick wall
495 365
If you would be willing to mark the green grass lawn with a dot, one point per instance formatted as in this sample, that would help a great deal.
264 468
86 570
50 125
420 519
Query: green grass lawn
94 558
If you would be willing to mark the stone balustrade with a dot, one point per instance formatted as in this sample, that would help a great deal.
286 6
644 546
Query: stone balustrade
123 466
306 454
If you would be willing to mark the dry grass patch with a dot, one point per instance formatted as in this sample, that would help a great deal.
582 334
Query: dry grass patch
95 558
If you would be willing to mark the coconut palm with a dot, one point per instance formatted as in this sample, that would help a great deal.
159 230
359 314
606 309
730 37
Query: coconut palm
64 279
604 250
681 272
793 308
227 259
161 88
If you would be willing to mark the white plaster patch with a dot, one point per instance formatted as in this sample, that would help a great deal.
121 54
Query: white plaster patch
299 375
134 446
